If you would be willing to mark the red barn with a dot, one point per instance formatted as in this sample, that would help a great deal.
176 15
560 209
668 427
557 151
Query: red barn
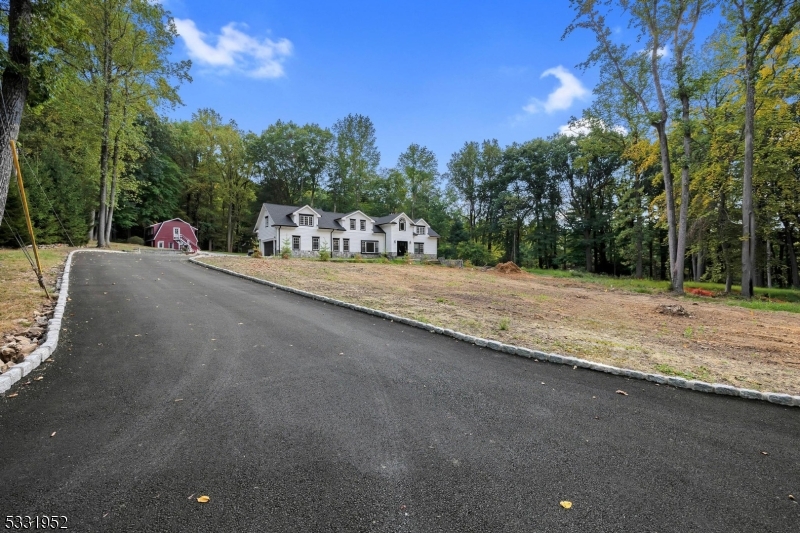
174 234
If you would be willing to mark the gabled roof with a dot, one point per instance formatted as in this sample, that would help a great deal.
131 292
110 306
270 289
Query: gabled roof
357 211
388 219
161 225
281 216
306 206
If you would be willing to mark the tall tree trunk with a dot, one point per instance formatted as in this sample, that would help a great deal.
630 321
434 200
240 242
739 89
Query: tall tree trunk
105 134
230 227
113 196
792 255
769 264
15 87
587 249
639 233
673 241
683 221
748 214
92 225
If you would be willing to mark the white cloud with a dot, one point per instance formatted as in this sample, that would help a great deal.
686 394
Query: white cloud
235 51
583 127
563 96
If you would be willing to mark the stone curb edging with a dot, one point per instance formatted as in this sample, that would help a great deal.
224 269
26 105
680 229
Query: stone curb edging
34 359
680 383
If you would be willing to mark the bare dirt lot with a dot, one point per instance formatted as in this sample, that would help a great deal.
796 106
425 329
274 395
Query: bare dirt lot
716 343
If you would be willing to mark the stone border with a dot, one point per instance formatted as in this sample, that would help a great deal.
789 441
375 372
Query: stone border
34 359
680 383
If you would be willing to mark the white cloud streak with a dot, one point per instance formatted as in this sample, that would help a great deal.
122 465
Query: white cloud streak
234 50
563 96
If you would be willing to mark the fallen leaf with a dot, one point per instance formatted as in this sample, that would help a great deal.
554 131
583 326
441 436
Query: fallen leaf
764 453
792 498
203 499
575 367
622 392
38 378
53 434
13 395
179 400
566 505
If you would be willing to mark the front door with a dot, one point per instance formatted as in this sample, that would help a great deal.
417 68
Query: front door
402 248
269 248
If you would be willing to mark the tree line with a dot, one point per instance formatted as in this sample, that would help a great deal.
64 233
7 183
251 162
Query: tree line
687 164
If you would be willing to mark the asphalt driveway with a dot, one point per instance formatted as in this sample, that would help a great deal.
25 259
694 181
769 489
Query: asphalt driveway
172 381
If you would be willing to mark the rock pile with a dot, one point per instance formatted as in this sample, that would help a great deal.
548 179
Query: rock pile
15 346
674 310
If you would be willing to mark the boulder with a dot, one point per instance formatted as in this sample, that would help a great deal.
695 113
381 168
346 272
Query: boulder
34 332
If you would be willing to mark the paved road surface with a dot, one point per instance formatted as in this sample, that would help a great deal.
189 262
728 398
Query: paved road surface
172 381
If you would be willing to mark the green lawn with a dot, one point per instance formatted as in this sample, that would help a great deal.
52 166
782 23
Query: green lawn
765 299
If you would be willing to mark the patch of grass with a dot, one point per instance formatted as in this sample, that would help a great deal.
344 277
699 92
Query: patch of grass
688 332
20 293
504 324
667 370
766 306
765 299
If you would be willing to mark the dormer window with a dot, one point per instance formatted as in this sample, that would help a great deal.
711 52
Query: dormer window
419 230
363 225
352 223
402 225
306 220
266 221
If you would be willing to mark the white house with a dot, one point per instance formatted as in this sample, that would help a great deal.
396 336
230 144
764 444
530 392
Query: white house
308 230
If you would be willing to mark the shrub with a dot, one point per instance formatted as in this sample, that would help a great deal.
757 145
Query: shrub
286 248
324 252
358 258
476 253
257 253
136 240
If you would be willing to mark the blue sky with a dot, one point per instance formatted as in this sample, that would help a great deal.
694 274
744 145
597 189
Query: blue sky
433 73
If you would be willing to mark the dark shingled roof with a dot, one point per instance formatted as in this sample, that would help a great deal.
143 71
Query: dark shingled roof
281 216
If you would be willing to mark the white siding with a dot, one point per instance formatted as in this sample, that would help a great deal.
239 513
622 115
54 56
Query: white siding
387 243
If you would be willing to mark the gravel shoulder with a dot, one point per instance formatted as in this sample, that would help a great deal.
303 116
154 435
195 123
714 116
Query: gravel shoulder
716 343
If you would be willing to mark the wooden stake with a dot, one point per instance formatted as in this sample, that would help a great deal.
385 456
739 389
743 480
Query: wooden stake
27 214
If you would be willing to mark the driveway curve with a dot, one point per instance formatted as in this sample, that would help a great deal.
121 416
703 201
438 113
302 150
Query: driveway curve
172 381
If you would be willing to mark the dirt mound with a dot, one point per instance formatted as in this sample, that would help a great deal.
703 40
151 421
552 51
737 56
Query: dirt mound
508 268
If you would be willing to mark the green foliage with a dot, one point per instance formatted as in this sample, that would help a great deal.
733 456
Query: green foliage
57 202
286 248
136 240
477 254
324 251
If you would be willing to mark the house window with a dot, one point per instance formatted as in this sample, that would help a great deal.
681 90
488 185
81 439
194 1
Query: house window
420 230
296 242
419 248
315 244
306 220
352 223
369 247
335 245
176 231
160 244
345 245
402 225
266 221
363 225
170 246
